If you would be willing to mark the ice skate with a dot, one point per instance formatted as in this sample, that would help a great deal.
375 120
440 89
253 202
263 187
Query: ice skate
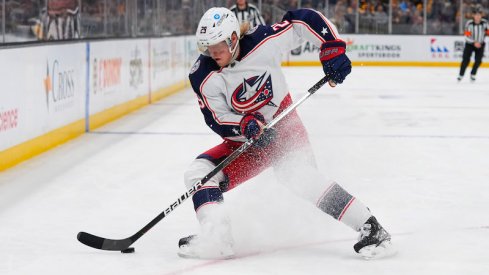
472 78
459 78
199 248
374 241
213 242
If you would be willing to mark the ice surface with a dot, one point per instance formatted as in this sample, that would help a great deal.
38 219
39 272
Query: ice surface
411 143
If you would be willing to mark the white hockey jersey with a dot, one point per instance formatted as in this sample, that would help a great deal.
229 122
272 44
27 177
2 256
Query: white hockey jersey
255 81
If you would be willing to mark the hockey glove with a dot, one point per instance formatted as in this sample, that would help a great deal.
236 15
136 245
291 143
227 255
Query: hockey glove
336 64
252 128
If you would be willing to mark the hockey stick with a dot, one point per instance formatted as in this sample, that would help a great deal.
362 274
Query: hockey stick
123 244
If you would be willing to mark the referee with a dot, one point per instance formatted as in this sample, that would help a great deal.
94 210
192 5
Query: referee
246 12
476 30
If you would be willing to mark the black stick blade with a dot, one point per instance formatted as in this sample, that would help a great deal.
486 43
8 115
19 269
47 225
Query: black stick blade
103 243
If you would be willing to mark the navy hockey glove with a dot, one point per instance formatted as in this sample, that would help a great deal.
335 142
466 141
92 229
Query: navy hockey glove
252 128
336 64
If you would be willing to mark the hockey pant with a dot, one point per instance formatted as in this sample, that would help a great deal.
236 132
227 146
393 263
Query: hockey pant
468 50
292 159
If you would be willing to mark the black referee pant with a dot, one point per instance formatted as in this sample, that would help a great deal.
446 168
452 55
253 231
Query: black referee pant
479 53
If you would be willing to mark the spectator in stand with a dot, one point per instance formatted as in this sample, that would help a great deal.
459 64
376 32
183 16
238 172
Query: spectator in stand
403 6
63 19
350 19
381 19
448 14
246 12
417 22
339 15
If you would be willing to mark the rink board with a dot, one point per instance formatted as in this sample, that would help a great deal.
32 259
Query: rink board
57 92
41 93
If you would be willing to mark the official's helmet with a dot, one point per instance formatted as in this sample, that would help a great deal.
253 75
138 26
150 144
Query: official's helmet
477 9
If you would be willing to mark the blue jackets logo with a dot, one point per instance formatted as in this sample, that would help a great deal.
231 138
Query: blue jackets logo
254 93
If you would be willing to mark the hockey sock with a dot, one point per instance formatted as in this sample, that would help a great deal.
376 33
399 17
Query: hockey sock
207 195
339 204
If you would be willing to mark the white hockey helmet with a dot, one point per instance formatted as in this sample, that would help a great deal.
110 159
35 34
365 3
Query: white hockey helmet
215 26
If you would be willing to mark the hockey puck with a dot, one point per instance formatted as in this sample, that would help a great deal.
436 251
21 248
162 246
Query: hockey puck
128 250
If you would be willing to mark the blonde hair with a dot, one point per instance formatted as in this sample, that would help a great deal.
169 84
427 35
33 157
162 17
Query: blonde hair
244 28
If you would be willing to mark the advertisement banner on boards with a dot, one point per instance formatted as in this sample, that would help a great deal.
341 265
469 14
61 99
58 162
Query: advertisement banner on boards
191 52
117 73
167 61
390 48
45 90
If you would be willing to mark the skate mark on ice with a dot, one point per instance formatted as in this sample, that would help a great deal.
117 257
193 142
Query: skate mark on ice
207 263
256 253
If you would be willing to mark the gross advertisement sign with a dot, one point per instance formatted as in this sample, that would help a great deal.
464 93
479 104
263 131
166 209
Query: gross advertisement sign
391 48
42 93
117 73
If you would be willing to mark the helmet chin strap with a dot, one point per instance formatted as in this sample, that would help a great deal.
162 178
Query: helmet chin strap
233 51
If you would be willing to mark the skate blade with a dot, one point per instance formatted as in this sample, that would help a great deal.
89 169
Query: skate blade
217 257
383 250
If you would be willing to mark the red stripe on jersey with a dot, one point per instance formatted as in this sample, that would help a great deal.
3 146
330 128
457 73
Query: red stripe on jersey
310 30
208 105
291 26
268 38
335 35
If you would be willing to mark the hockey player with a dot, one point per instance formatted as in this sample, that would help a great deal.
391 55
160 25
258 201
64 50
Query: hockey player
240 87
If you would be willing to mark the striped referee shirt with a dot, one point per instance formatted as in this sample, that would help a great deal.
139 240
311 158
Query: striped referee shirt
476 32
249 14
